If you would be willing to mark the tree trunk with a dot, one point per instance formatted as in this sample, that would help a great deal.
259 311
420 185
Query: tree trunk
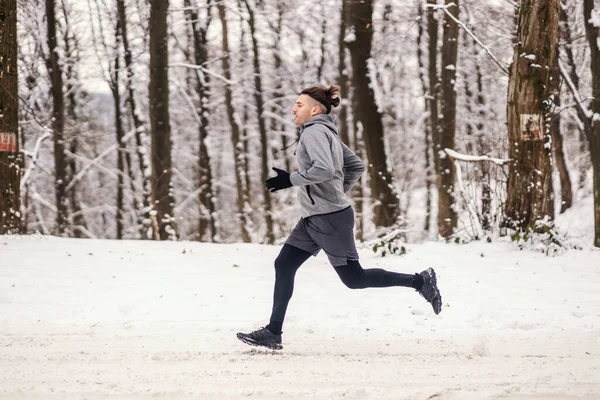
58 123
10 219
144 212
427 127
447 217
72 53
236 143
207 205
592 28
433 95
343 77
386 202
258 98
565 33
323 52
162 196
566 196
529 193
120 134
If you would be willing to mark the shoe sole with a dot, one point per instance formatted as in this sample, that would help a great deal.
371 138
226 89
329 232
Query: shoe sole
255 344
437 291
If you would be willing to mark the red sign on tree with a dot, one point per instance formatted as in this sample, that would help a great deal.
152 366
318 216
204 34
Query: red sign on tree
8 142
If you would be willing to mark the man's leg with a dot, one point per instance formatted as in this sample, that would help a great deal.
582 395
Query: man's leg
288 261
355 277
425 282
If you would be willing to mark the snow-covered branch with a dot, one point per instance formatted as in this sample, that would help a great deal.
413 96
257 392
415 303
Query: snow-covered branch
459 23
34 157
201 68
467 158
95 161
573 89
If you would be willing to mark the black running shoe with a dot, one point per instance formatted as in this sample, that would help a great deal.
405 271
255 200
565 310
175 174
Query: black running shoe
430 291
261 337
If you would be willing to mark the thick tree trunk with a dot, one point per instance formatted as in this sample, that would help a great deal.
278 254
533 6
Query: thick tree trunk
592 27
566 196
447 217
207 205
386 202
258 98
58 123
10 219
144 211
236 144
162 196
529 194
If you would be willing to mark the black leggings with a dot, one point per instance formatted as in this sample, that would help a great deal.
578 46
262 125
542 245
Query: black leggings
290 258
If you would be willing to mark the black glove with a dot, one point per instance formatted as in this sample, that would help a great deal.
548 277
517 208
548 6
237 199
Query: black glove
281 181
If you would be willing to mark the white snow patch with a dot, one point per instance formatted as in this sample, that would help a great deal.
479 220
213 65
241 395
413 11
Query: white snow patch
137 319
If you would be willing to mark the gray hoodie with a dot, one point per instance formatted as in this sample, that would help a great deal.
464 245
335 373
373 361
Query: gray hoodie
327 168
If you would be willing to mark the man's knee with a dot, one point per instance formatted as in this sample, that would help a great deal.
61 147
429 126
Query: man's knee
350 275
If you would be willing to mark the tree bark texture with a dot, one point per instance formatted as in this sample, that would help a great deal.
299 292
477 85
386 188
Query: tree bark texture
385 201
258 98
447 216
207 206
162 196
529 193
10 219
592 27
236 143
58 123
141 136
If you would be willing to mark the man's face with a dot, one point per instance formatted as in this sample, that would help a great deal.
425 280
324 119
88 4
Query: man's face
305 109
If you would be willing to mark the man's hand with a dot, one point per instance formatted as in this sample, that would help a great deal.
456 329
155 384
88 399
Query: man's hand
281 181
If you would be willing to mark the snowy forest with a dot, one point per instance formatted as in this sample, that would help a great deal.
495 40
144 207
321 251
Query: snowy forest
140 119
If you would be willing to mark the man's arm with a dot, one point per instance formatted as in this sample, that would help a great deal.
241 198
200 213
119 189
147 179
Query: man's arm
353 168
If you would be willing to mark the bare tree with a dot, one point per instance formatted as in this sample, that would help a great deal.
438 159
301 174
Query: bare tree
141 136
207 205
447 216
258 98
236 143
566 193
591 15
78 223
427 127
529 194
386 202
54 66
9 121
585 127
162 194
433 90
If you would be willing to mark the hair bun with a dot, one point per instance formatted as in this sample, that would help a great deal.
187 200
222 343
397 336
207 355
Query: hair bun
334 95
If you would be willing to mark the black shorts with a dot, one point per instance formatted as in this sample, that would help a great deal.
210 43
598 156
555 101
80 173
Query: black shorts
334 233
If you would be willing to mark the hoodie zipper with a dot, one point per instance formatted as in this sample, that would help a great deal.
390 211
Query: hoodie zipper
309 196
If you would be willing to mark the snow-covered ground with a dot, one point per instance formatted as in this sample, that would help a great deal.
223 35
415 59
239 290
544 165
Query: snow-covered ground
130 320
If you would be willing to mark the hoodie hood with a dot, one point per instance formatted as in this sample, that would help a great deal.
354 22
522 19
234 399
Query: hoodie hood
323 119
